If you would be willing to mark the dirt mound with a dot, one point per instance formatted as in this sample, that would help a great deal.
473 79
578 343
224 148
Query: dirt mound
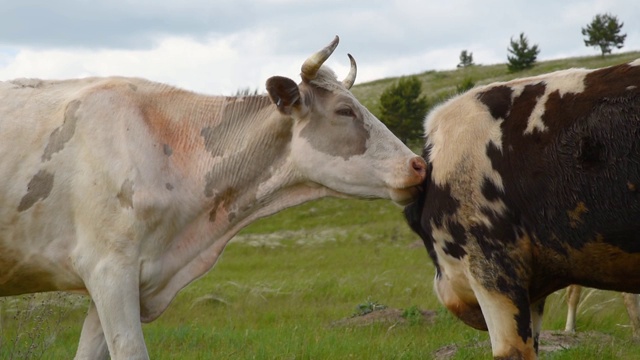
550 341
383 316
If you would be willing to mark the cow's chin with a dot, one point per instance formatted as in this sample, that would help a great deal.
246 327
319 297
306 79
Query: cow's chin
404 197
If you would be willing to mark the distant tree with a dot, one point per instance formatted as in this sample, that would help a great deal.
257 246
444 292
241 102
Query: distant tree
402 108
524 56
604 32
466 59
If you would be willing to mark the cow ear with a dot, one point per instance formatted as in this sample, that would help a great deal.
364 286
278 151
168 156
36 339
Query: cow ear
284 93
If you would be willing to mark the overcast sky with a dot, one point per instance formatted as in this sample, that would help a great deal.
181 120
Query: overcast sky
221 46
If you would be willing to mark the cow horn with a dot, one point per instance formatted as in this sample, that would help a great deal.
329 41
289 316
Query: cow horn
351 77
312 64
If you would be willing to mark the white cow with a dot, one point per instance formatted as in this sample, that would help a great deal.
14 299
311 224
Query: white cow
128 190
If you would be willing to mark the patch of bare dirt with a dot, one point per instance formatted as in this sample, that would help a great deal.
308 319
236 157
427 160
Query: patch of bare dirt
383 316
445 352
559 340
300 237
550 341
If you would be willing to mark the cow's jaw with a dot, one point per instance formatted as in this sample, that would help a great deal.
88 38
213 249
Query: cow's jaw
367 175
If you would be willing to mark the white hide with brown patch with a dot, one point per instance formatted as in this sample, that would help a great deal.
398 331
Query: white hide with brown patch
128 190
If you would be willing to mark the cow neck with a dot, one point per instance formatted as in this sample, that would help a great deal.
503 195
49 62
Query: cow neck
243 173
246 142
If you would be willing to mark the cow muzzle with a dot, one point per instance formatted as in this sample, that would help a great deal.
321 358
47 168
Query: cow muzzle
410 186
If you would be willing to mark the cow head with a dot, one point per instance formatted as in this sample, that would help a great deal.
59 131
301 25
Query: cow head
337 143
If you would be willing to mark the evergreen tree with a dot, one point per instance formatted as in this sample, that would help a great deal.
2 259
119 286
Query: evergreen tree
524 57
402 108
466 59
604 32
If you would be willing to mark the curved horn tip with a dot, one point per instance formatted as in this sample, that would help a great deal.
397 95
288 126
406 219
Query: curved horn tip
333 44
312 64
351 77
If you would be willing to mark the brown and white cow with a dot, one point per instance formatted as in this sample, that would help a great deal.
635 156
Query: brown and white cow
128 190
533 185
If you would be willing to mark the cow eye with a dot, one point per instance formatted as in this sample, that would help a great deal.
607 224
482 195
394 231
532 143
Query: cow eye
346 111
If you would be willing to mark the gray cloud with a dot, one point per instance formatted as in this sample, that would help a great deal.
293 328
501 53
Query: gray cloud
117 23
387 38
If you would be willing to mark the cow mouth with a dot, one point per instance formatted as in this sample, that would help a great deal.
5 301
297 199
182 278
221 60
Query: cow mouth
405 196
407 192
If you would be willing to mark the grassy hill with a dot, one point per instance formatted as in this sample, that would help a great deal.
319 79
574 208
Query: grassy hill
438 84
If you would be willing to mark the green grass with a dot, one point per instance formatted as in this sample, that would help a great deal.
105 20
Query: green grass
283 282
278 299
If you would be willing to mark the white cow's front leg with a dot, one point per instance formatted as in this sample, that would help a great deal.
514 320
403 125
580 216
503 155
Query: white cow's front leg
114 288
92 344
573 298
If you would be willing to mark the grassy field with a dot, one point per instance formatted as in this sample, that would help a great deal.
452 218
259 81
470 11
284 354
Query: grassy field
297 286
285 294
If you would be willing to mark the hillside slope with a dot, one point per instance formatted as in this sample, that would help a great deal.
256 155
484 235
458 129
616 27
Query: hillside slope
436 84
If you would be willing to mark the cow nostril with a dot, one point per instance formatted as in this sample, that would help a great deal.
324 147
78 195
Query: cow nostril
419 166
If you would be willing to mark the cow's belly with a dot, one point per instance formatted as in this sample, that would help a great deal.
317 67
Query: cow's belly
604 266
35 272
596 264
35 249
